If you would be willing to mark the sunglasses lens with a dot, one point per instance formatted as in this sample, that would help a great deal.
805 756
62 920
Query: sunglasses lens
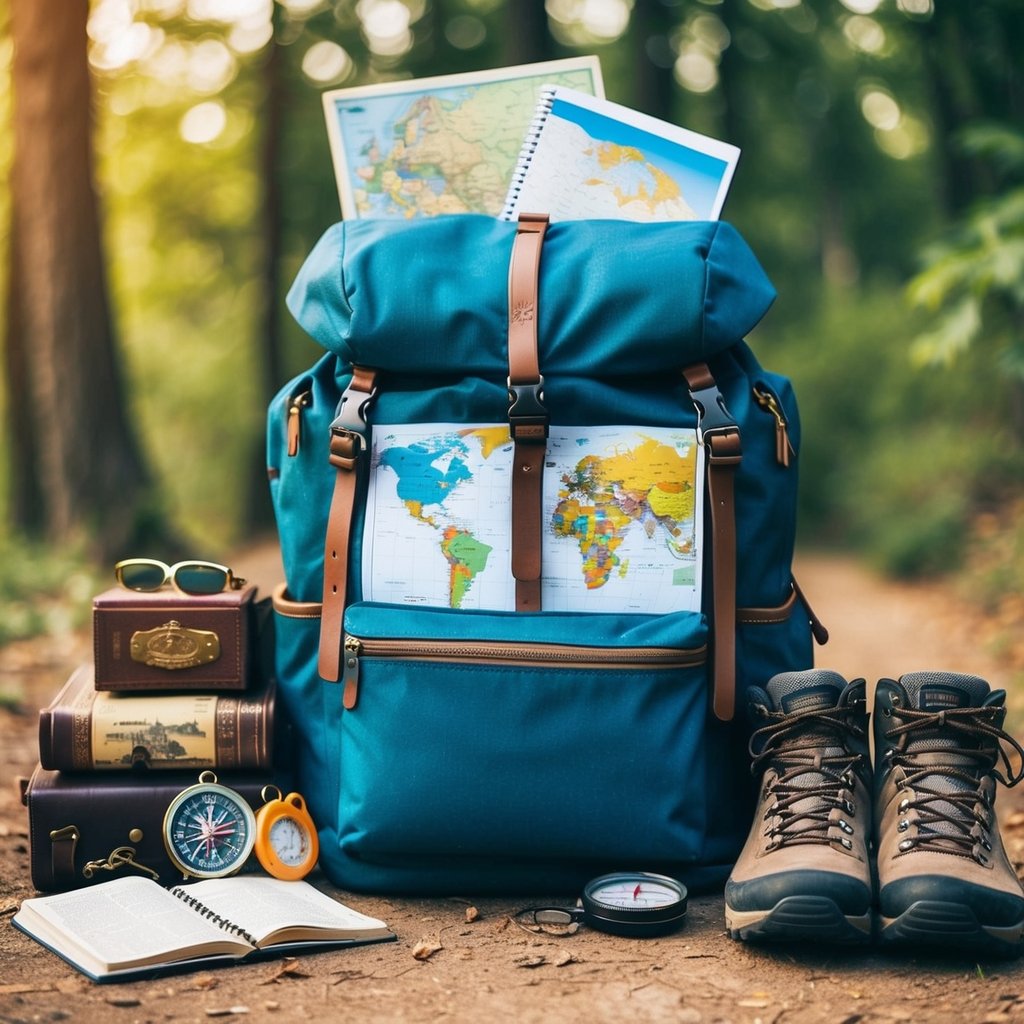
196 578
142 576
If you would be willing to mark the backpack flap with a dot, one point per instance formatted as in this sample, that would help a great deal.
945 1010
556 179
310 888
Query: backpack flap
426 296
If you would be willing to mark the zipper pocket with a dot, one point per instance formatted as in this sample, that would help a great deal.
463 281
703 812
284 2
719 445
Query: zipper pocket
496 652
767 400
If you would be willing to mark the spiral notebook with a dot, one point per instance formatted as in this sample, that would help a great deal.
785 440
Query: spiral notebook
132 927
589 158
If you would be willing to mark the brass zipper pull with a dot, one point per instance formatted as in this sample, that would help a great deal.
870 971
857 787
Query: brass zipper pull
295 407
784 449
350 673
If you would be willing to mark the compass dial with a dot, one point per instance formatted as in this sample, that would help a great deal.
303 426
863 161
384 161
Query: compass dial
209 830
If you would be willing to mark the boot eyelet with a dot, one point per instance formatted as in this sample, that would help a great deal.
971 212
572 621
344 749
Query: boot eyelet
846 843
896 702
903 826
845 826
887 712
907 844
849 808
904 806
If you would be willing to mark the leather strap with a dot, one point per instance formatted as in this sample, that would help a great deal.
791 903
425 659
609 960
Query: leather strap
720 435
62 855
527 416
348 443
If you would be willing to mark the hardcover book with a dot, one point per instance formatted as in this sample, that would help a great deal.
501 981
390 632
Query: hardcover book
132 927
85 730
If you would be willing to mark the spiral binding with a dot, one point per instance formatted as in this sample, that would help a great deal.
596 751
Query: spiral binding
220 922
540 117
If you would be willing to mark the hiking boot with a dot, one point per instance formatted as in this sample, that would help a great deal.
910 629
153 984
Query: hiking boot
943 876
805 872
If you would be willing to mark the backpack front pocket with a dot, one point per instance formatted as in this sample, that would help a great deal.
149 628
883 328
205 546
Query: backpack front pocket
524 737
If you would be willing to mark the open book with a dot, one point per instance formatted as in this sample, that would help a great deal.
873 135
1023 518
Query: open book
132 926
588 158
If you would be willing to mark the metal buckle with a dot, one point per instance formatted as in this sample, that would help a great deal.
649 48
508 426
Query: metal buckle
527 414
350 421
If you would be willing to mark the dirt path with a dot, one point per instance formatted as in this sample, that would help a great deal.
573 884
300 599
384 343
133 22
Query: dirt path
490 969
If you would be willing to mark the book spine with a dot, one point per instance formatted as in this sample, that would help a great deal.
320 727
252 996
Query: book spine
533 133
86 730
210 915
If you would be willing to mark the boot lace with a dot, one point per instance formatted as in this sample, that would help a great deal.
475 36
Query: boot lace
952 818
814 765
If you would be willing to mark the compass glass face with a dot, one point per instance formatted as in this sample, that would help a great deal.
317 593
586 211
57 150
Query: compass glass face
209 832
290 841
635 893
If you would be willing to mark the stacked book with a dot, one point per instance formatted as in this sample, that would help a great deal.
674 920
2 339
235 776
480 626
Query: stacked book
176 688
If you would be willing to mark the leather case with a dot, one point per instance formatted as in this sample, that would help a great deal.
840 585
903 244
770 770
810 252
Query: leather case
90 828
165 640
86 730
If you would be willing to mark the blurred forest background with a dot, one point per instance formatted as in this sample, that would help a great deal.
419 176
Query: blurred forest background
169 169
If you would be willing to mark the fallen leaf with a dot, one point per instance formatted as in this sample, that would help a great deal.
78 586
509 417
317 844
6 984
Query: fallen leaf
530 961
426 947
472 914
289 968
564 959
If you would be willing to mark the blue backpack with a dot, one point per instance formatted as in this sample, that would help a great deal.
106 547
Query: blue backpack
536 508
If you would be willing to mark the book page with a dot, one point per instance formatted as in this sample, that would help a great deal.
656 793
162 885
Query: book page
126 922
439 145
622 518
588 158
275 910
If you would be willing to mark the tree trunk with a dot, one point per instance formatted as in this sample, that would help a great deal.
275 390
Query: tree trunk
75 467
270 365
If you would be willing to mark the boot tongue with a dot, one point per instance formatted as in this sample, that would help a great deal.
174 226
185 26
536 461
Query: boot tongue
933 692
793 692
942 691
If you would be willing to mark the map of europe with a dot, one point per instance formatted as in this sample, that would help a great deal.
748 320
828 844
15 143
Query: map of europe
622 518
422 153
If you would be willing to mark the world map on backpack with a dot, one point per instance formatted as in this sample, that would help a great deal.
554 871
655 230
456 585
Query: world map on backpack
621 518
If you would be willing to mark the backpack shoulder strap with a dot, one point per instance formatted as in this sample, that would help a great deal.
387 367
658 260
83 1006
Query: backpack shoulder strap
348 442
720 435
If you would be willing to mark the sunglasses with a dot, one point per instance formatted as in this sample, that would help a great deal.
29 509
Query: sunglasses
189 577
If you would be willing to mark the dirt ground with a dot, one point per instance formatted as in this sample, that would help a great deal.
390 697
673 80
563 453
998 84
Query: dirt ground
490 968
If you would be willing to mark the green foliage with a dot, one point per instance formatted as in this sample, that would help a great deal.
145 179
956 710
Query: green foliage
897 461
44 590
972 283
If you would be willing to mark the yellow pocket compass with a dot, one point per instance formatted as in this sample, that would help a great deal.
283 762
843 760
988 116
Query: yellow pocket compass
286 842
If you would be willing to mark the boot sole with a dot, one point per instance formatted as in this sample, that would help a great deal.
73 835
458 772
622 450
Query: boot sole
799 919
950 926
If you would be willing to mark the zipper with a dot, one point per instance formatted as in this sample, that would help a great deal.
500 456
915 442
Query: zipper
299 401
784 449
484 651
